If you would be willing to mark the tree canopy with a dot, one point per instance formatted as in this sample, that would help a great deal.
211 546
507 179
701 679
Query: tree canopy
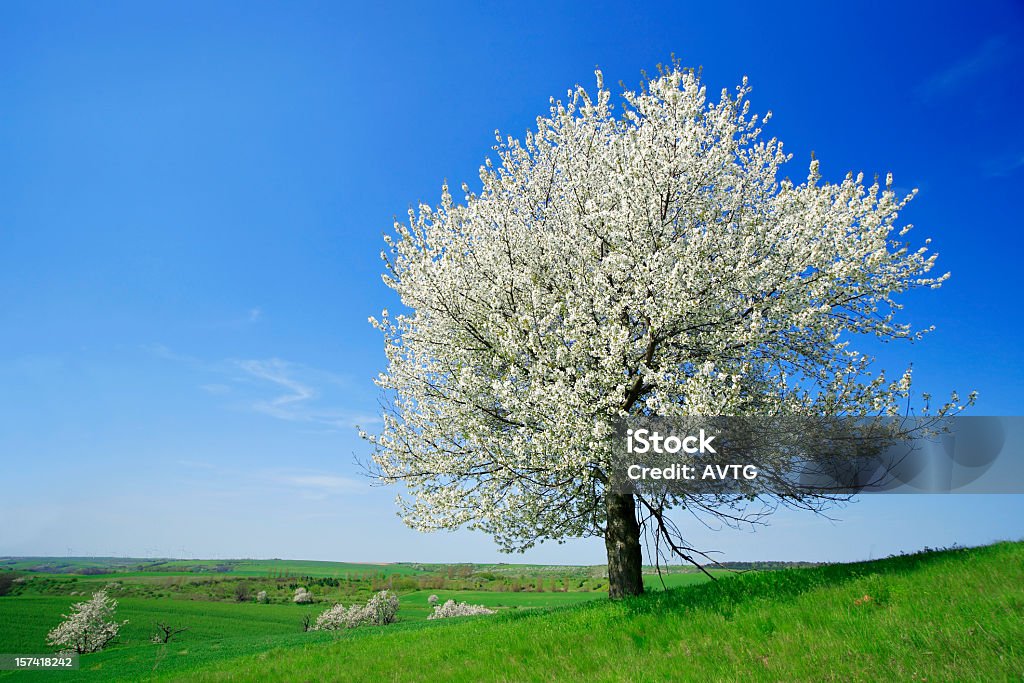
643 258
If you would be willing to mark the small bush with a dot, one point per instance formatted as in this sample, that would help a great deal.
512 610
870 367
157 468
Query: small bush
458 609
7 581
261 597
302 596
379 610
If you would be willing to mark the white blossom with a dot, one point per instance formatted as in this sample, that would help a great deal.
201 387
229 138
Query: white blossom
379 610
89 627
646 258
458 609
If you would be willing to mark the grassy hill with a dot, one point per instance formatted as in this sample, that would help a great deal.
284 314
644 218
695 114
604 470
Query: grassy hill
952 615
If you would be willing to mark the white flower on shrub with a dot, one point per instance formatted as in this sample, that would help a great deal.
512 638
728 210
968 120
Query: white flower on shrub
89 627
458 609
261 597
433 600
382 608
379 610
302 596
338 617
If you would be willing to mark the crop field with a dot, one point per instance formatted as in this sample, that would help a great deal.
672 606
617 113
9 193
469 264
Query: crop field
949 615
215 601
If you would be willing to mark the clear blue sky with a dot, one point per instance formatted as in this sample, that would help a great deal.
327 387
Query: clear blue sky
192 197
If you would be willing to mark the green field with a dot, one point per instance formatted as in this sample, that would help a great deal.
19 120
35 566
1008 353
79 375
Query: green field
954 615
202 595
139 566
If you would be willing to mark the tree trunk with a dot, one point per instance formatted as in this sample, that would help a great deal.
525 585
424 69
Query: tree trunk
622 541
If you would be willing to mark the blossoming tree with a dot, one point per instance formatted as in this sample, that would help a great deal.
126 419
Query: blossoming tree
639 259
89 627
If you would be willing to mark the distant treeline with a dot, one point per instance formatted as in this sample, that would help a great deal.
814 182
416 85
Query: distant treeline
766 566
431 573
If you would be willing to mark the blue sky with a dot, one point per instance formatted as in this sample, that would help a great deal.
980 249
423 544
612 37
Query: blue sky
192 197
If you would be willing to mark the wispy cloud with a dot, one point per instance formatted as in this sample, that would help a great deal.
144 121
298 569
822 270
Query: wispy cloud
292 403
306 484
297 394
1004 165
280 389
990 53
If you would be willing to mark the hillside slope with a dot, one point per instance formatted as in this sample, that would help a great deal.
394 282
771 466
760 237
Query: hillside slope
953 615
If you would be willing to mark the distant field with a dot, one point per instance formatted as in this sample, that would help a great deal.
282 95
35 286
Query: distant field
134 566
203 595
951 615
82 566
218 630
295 567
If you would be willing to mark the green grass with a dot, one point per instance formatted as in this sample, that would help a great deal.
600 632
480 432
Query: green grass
216 630
947 616
680 579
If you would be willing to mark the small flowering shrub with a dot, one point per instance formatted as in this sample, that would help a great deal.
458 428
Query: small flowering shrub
338 617
379 610
89 626
302 597
433 600
458 609
261 597
382 608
